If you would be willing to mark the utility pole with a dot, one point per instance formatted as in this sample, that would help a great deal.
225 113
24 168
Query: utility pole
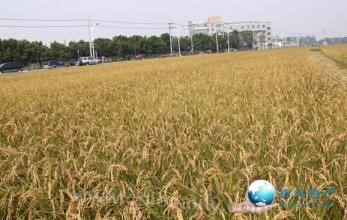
191 42
170 28
325 34
191 37
228 42
217 46
93 48
37 56
179 46
178 41
90 39
253 39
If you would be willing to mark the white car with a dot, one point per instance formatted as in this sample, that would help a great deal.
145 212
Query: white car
88 61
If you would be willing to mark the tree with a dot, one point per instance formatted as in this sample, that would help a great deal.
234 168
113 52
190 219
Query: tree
308 40
81 46
246 39
165 39
21 51
137 44
185 45
203 43
59 51
235 40
119 47
104 47
124 49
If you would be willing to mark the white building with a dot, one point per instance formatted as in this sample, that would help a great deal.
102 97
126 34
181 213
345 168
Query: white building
261 30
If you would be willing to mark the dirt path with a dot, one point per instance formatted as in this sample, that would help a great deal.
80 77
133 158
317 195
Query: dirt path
337 70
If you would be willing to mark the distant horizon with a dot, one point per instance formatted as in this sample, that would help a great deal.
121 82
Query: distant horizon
66 41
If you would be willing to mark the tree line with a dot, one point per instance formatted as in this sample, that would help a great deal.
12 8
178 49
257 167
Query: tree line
311 40
119 47
129 47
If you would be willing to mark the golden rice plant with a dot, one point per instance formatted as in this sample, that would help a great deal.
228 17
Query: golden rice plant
173 138
337 53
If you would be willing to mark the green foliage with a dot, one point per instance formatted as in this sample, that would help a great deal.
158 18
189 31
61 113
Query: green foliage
119 47
22 51
308 40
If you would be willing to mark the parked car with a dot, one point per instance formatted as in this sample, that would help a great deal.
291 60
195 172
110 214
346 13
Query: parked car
51 64
87 61
10 67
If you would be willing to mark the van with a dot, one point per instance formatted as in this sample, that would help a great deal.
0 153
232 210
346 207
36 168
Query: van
10 67
51 64
87 61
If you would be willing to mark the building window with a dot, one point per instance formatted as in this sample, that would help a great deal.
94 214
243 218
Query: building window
263 25
242 27
253 26
268 28
268 33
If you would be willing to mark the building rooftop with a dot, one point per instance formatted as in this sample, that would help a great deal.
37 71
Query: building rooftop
247 22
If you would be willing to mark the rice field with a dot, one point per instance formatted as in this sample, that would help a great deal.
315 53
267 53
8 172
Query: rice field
176 138
337 53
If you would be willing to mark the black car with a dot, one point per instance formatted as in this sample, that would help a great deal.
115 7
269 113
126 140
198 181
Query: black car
10 67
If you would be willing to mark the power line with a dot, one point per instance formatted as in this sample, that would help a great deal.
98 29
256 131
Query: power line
128 22
80 26
137 25
83 20
127 27
42 26
72 26
42 20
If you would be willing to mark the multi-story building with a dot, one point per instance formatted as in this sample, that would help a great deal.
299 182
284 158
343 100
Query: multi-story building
261 30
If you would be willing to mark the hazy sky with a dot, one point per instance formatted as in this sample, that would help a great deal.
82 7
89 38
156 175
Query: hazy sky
306 17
